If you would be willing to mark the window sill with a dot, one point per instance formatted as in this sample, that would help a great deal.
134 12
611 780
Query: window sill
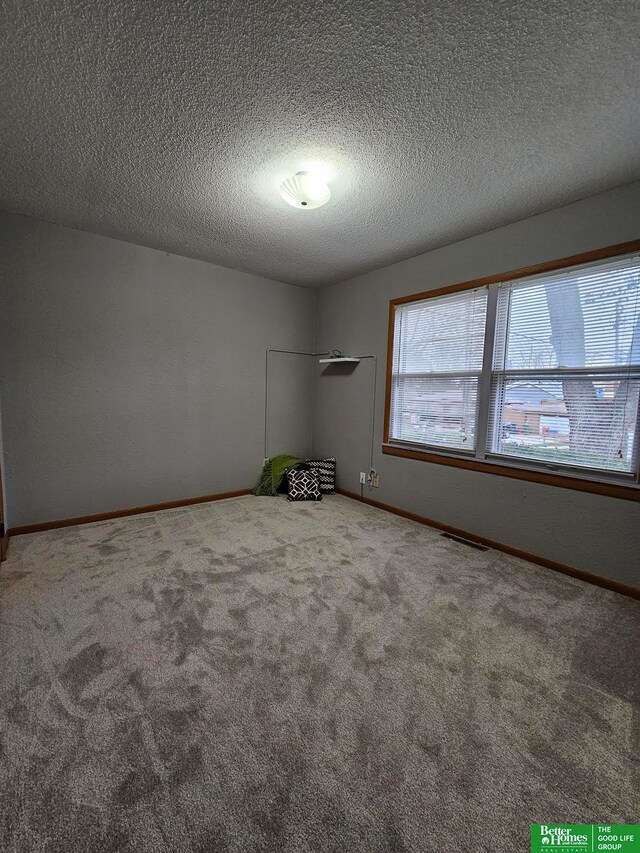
629 492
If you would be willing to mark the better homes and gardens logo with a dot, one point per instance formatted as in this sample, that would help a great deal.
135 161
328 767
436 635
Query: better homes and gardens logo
585 838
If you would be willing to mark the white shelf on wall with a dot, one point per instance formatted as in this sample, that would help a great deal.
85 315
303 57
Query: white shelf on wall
339 360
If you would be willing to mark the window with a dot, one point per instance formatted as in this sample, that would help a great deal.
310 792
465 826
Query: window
538 372
438 349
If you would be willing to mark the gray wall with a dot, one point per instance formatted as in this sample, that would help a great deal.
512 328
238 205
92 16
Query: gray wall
2 468
290 404
130 376
595 533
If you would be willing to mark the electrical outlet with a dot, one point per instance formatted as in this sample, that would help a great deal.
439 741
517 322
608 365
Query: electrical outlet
363 478
375 481
371 476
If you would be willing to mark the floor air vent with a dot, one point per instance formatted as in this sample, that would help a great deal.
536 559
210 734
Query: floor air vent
464 541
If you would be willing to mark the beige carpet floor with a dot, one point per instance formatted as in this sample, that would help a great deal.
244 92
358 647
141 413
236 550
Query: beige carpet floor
257 675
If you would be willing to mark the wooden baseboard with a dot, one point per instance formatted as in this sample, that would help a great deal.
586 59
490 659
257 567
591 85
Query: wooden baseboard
4 545
122 513
589 577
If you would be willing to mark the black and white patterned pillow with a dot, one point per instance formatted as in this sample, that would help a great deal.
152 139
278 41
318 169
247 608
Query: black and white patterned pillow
326 470
303 485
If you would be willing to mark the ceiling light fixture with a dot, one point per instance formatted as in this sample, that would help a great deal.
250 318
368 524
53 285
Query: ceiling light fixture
305 191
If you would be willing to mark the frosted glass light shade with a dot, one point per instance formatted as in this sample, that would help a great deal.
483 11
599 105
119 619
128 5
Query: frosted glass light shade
305 190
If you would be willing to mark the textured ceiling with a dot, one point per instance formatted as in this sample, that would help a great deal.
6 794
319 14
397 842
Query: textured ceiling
169 123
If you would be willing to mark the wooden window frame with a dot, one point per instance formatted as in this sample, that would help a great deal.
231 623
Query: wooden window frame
519 470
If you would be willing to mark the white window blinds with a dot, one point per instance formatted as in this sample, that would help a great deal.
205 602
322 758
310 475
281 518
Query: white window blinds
437 364
566 367
539 372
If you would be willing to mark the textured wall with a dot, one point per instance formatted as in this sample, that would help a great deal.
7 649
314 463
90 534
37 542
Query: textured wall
594 533
130 376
